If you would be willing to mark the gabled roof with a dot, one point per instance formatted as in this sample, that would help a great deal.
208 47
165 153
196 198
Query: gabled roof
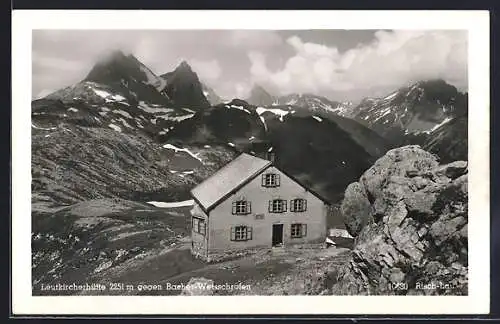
228 179
232 177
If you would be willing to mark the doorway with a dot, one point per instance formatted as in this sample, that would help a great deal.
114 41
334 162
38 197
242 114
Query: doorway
277 234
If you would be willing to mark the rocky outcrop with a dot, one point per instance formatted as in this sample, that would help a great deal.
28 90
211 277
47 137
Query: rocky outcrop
408 215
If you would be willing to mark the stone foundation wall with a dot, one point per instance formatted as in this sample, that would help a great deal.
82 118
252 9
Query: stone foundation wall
199 250
215 256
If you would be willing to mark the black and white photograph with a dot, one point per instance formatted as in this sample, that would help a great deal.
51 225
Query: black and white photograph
250 162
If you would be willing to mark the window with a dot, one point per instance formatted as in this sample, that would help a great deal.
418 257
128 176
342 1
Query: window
242 207
199 225
298 230
298 205
241 233
270 180
277 206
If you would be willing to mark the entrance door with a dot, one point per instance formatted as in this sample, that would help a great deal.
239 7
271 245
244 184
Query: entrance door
277 234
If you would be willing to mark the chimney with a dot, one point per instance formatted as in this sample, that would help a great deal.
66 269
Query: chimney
271 156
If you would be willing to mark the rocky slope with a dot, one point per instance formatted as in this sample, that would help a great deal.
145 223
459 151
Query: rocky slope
212 97
408 215
84 242
184 88
86 150
419 109
450 141
260 97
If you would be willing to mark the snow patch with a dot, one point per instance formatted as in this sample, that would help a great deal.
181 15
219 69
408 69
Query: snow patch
73 109
177 149
446 120
175 118
230 144
123 113
263 122
101 93
116 128
392 95
206 146
279 112
251 138
124 122
174 204
36 127
317 118
105 109
239 108
153 108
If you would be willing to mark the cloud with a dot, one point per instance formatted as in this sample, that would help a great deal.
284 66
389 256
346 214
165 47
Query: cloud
63 57
209 71
254 39
230 61
392 59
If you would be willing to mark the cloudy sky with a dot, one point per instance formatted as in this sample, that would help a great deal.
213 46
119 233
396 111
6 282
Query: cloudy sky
339 64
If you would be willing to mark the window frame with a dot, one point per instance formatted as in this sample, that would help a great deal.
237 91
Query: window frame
282 209
241 207
241 233
293 207
274 180
298 230
200 223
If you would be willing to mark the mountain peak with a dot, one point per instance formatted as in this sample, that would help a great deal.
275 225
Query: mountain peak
184 87
184 66
259 96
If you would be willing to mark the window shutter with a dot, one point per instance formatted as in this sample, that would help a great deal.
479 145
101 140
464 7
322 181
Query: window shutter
263 180
233 233
249 207
234 207
277 180
270 206
304 230
249 233
284 205
292 205
305 204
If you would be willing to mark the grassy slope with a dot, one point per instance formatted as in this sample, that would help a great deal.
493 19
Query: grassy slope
79 242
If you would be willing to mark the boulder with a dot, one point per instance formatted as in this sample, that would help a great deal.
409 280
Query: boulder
355 209
408 215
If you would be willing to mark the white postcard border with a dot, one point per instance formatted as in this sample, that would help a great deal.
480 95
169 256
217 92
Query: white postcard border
477 24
